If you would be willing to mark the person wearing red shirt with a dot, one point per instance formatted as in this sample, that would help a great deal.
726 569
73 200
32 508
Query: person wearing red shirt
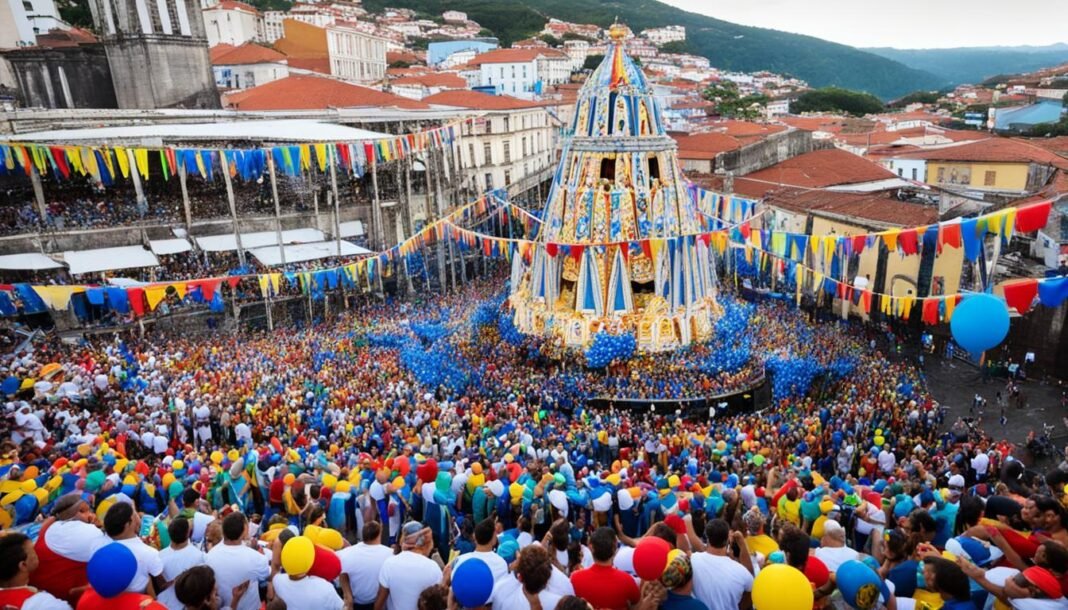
602 585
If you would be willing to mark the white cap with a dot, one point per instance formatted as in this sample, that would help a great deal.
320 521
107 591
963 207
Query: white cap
956 481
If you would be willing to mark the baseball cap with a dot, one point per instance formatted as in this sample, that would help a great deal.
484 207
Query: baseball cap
956 482
974 550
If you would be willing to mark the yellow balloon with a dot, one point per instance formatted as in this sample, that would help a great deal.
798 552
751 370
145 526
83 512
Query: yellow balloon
343 486
879 441
12 497
818 525
298 555
168 478
42 496
177 465
28 486
102 508
331 539
614 479
233 455
781 587
312 532
398 483
515 490
129 480
673 481
54 483
476 480
216 457
329 480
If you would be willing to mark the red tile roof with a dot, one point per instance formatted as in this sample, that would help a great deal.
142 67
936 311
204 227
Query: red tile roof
511 56
312 64
821 168
746 128
405 56
233 5
879 207
476 100
72 37
248 53
306 92
1058 144
1056 186
445 80
704 145
993 150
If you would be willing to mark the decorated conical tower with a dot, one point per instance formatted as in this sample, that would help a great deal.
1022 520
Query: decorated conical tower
621 247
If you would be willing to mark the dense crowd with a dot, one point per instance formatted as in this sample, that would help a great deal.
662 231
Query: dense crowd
413 455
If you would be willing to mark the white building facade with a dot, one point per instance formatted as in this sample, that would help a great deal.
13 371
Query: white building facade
522 72
355 55
232 23
664 35
507 146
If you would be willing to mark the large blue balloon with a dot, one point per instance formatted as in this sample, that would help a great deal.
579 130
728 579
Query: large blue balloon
980 322
860 585
472 583
111 569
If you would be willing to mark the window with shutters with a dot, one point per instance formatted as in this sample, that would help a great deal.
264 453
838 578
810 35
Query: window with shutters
507 152
990 178
487 153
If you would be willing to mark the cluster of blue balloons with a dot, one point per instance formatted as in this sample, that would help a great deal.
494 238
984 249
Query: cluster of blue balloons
507 329
438 366
388 340
429 332
605 348
486 312
792 377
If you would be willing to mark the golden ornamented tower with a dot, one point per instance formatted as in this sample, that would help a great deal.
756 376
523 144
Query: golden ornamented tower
622 247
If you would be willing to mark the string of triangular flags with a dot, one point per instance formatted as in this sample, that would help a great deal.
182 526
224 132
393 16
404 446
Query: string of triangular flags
107 164
968 233
1019 293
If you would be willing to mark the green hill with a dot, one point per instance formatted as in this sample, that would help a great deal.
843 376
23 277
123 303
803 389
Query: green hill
974 65
727 45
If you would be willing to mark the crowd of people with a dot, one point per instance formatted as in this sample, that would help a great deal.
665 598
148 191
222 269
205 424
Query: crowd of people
405 457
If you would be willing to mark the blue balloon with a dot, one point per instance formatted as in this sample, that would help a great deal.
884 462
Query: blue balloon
111 569
472 583
860 585
980 322
10 385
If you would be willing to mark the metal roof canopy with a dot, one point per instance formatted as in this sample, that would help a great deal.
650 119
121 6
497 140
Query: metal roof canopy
228 243
109 259
266 131
169 246
297 253
29 261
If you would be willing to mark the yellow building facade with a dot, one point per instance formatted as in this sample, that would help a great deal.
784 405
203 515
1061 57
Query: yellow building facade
1009 177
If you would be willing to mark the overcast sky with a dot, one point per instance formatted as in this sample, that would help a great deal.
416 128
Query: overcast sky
905 24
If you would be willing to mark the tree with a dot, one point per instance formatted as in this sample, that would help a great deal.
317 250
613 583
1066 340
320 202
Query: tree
400 63
731 103
574 36
916 97
76 13
836 99
550 40
592 61
675 46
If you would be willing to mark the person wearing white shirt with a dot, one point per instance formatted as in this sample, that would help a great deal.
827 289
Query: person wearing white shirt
177 558
234 563
18 560
405 576
981 464
485 541
122 524
303 591
887 461
833 551
360 566
533 571
718 580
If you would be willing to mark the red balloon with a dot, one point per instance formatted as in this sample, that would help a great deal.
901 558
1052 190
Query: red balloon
276 444
514 472
402 465
816 571
326 565
427 471
650 557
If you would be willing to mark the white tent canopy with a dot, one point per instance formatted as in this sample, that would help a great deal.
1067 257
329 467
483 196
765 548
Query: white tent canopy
29 261
282 130
169 246
109 259
259 239
352 228
296 253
